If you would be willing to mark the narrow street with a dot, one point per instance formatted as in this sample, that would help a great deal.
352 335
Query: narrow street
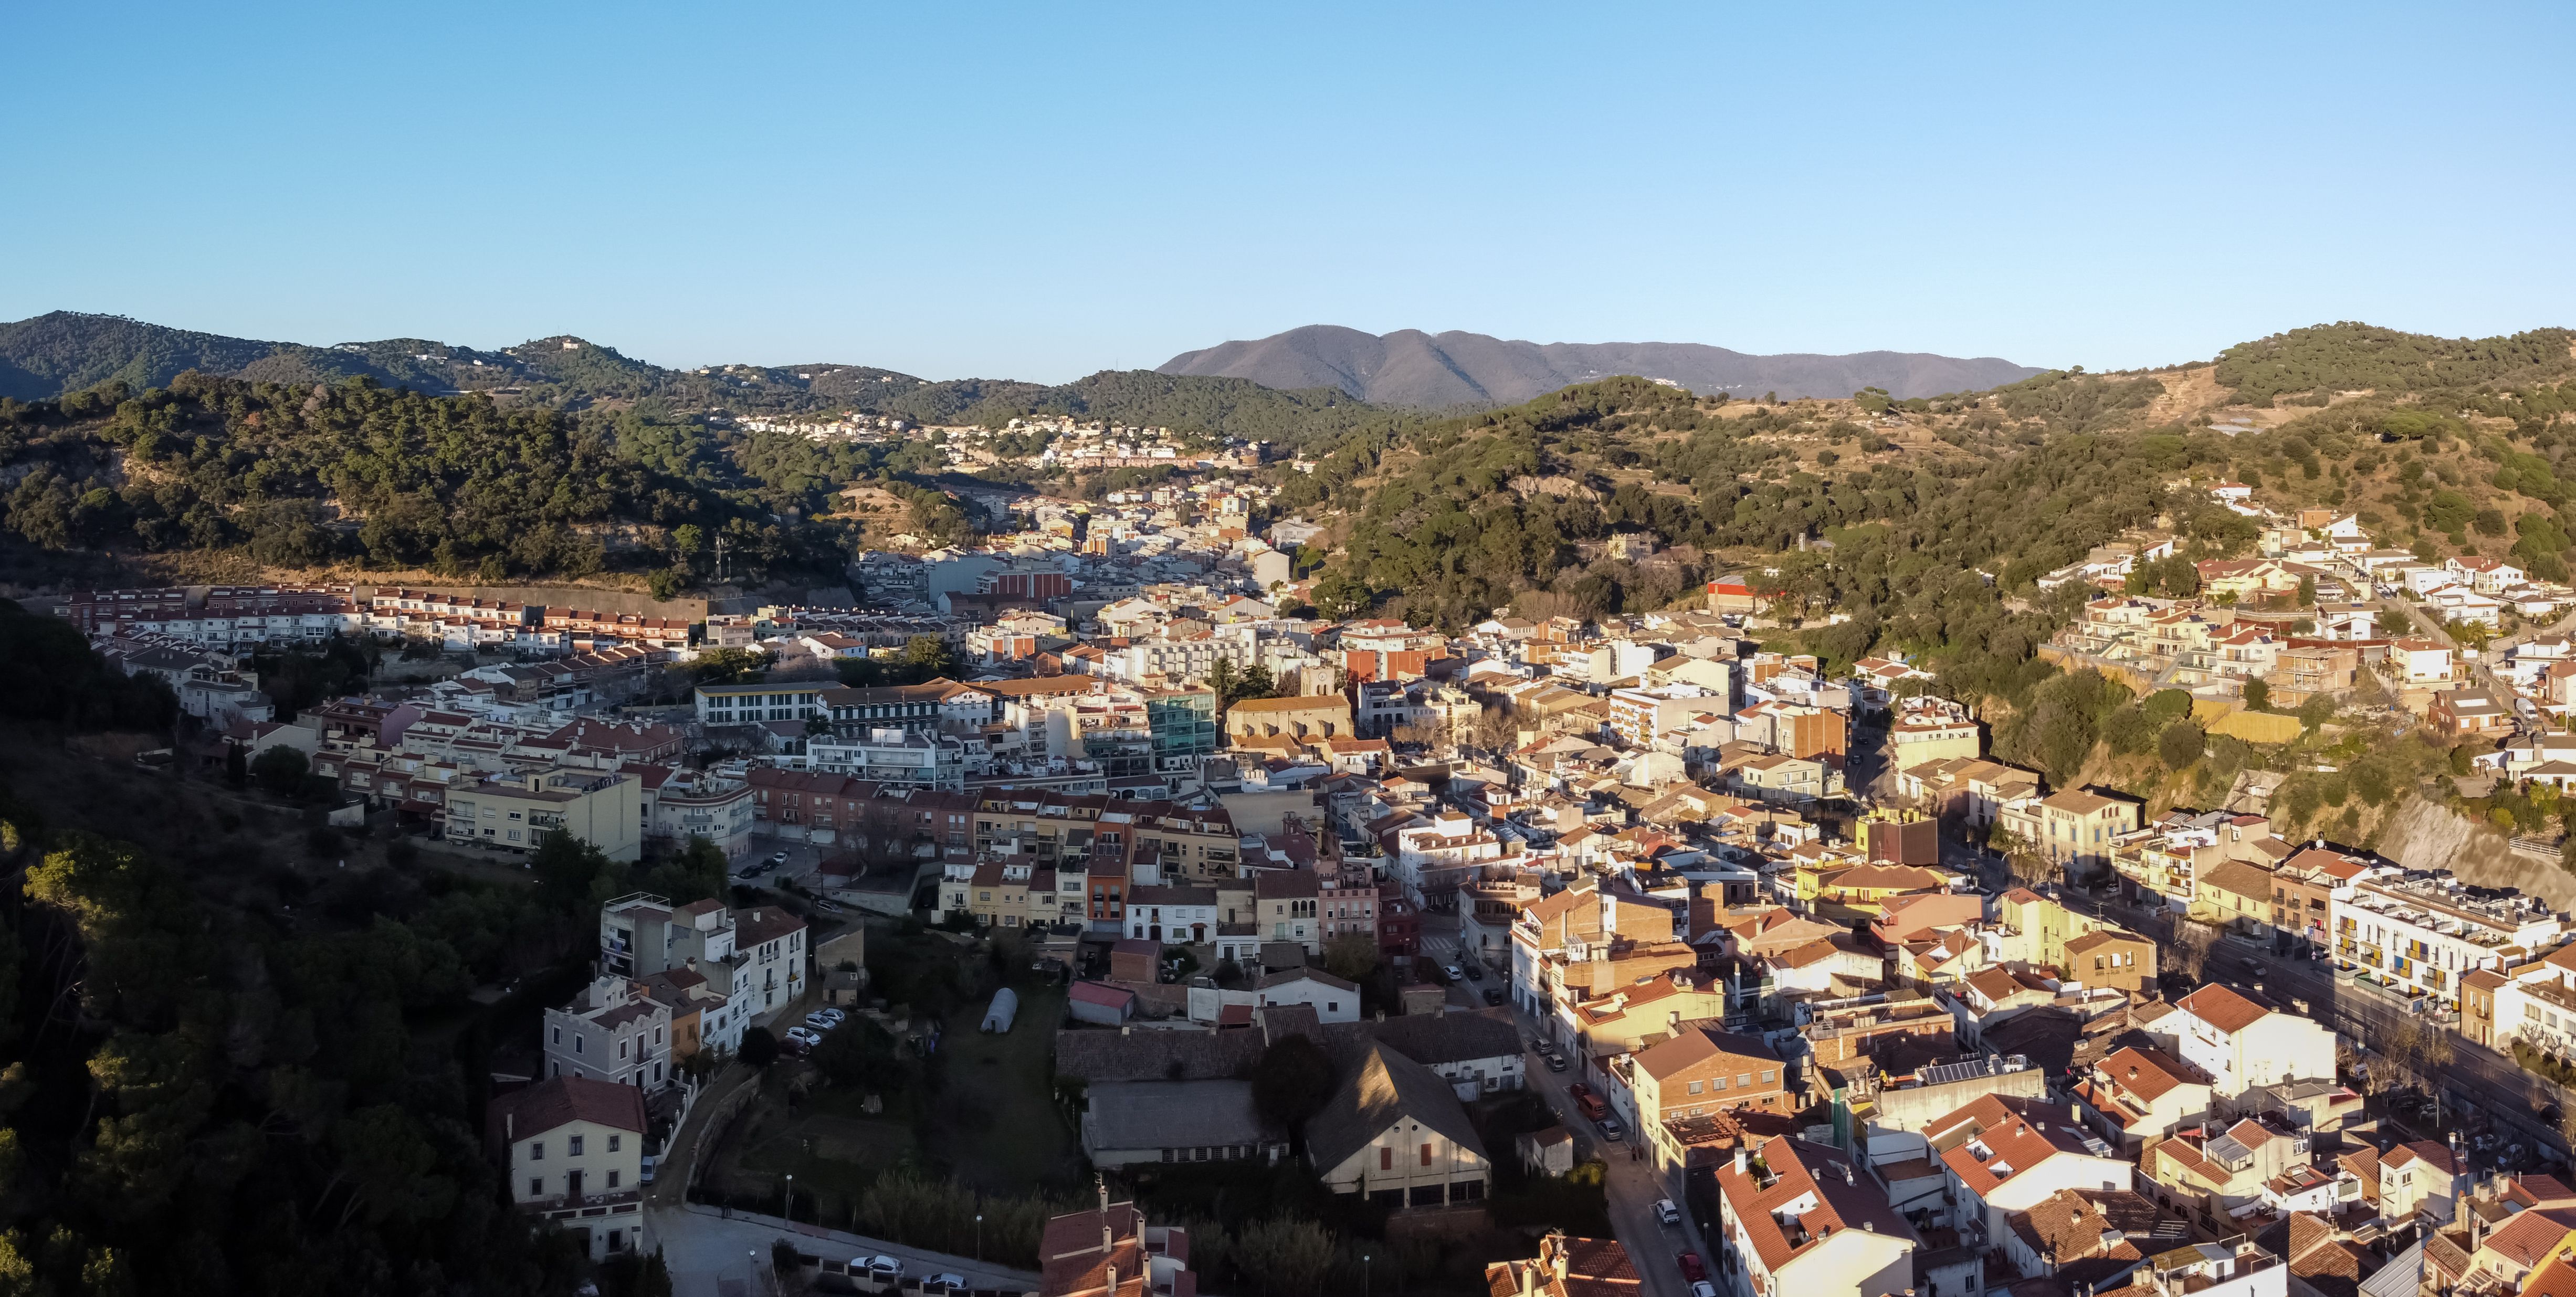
1632 1187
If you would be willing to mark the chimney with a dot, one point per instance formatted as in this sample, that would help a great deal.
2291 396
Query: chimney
1529 1279
1102 1181
1739 1159
1113 1281
1870 1225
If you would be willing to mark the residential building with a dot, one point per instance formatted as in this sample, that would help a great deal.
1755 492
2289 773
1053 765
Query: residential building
572 1150
2240 1042
1111 1251
1800 1220
1395 1134
615 1031
2003 1155
604 809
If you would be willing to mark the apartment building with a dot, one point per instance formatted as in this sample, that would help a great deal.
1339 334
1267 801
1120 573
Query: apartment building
2074 829
604 809
1701 1070
2419 933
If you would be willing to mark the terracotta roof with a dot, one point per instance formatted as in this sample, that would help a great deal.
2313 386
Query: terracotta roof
2224 1008
2149 1073
560 1100
1696 1045
2528 1236
1844 1199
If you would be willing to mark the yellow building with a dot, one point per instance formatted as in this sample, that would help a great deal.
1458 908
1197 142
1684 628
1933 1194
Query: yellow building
601 808
1312 716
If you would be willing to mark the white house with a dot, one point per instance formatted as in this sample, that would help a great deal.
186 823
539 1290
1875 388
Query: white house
2002 1155
1333 999
2240 1043
1803 1220
572 1149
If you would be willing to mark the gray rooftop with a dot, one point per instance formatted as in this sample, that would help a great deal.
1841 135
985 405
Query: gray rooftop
1174 1114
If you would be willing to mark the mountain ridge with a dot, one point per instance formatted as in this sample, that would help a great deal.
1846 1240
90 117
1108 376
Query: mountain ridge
1421 370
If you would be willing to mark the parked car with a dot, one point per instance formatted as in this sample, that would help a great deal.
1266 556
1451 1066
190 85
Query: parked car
1703 1289
820 1021
1611 1130
1577 1091
1691 1267
1555 1062
1450 972
1475 973
1666 1213
877 1267
944 1283
776 859
827 907
1493 996
804 1037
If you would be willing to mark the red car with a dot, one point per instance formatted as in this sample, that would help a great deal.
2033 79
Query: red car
1692 1270
1577 1089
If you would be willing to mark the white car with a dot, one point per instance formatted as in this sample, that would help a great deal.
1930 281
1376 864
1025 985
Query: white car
1703 1289
821 1022
1667 1213
877 1267
944 1283
804 1036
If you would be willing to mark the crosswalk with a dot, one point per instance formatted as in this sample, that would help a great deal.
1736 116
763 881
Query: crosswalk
1442 950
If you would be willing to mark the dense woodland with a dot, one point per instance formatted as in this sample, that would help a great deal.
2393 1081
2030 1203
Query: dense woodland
227 1070
390 479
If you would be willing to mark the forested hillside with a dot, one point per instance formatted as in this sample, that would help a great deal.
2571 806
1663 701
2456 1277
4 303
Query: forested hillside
297 477
1924 521
237 1055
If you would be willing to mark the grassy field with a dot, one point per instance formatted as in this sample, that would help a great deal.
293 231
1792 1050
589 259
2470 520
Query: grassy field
834 1149
994 1121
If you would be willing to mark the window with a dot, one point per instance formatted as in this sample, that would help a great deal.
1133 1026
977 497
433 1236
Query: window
1743 1079
1696 1087
1386 1159
612 1179
1768 1076
536 1186
1426 1155
575 1150
576 1044
612 1142
536 1150
558 1035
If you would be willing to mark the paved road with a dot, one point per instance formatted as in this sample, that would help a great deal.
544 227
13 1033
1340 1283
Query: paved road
1633 1188
704 1248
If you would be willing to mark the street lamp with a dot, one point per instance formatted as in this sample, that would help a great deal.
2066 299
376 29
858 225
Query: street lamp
1364 1274
979 1236
788 1208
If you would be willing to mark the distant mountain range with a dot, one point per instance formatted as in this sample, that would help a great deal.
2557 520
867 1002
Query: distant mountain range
1440 370
1317 377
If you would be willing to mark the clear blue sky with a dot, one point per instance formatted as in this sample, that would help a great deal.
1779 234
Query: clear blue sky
1038 192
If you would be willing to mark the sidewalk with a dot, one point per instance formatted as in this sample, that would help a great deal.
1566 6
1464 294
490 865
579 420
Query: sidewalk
705 1248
